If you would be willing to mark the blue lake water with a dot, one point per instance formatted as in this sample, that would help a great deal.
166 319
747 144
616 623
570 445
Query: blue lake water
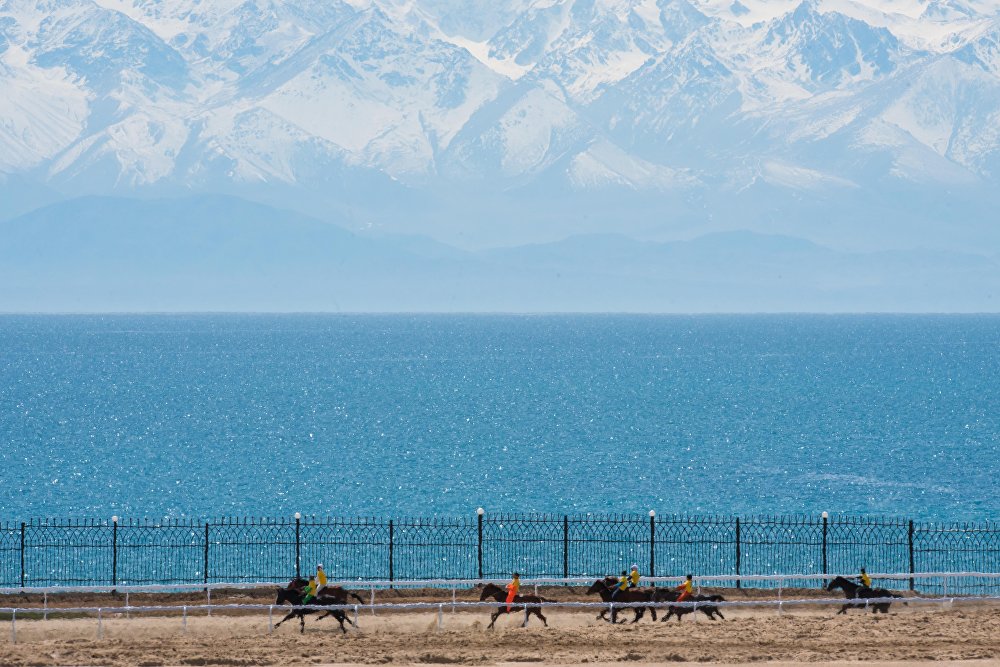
213 415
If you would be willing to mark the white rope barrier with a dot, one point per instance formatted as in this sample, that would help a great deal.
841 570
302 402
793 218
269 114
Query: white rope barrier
458 583
488 605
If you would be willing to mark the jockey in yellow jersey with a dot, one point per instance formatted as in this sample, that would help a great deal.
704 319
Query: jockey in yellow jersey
512 589
865 579
633 577
621 585
686 589
320 578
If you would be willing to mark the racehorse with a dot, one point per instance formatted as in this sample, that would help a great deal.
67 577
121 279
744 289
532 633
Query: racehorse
853 591
520 602
330 595
606 589
710 610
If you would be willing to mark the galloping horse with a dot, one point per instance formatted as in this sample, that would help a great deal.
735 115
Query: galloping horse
331 595
853 591
606 589
520 602
710 610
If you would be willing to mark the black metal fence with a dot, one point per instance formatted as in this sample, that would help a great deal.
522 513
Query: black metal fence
89 552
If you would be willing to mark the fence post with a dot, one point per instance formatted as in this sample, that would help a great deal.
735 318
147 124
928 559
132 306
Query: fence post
298 545
910 544
205 563
22 554
479 514
739 555
391 539
565 546
826 519
114 551
652 544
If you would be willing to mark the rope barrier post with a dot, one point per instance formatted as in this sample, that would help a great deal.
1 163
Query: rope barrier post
13 626
373 599
946 585
100 625
270 619
209 600
453 598
781 583
184 619
356 615
126 605
440 616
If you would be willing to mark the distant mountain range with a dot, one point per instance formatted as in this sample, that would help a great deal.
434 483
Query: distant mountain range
721 153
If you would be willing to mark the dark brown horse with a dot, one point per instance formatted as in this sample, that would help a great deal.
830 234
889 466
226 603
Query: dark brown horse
520 602
853 591
669 595
606 589
329 596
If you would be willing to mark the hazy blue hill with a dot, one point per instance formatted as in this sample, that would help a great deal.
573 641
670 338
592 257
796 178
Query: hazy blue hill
223 253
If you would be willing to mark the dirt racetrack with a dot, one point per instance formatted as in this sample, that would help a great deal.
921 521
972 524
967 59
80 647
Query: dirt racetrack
574 638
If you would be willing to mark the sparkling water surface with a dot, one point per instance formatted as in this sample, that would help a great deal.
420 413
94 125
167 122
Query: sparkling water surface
398 415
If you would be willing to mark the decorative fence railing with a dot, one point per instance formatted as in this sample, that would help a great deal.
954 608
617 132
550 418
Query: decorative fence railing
119 552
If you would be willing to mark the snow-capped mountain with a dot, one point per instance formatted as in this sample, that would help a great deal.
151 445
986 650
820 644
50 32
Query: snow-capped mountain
490 122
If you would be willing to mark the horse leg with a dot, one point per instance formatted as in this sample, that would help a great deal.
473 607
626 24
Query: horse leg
290 614
302 623
527 615
494 618
538 613
342 617
638 614
843 610
652 612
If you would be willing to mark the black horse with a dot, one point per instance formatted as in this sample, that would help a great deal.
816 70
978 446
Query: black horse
520 602
330 595
606 589
853 591
710 610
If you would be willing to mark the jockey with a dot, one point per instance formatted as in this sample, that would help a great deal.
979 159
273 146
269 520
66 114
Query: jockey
512 588
865 580
622 584
633 577
310 591
320 578
686 589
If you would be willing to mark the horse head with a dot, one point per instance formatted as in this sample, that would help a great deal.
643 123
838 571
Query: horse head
838 582
598 586
291 595
489 590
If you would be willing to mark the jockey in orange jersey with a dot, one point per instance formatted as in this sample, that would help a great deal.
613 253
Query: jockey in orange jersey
686 589
512 588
